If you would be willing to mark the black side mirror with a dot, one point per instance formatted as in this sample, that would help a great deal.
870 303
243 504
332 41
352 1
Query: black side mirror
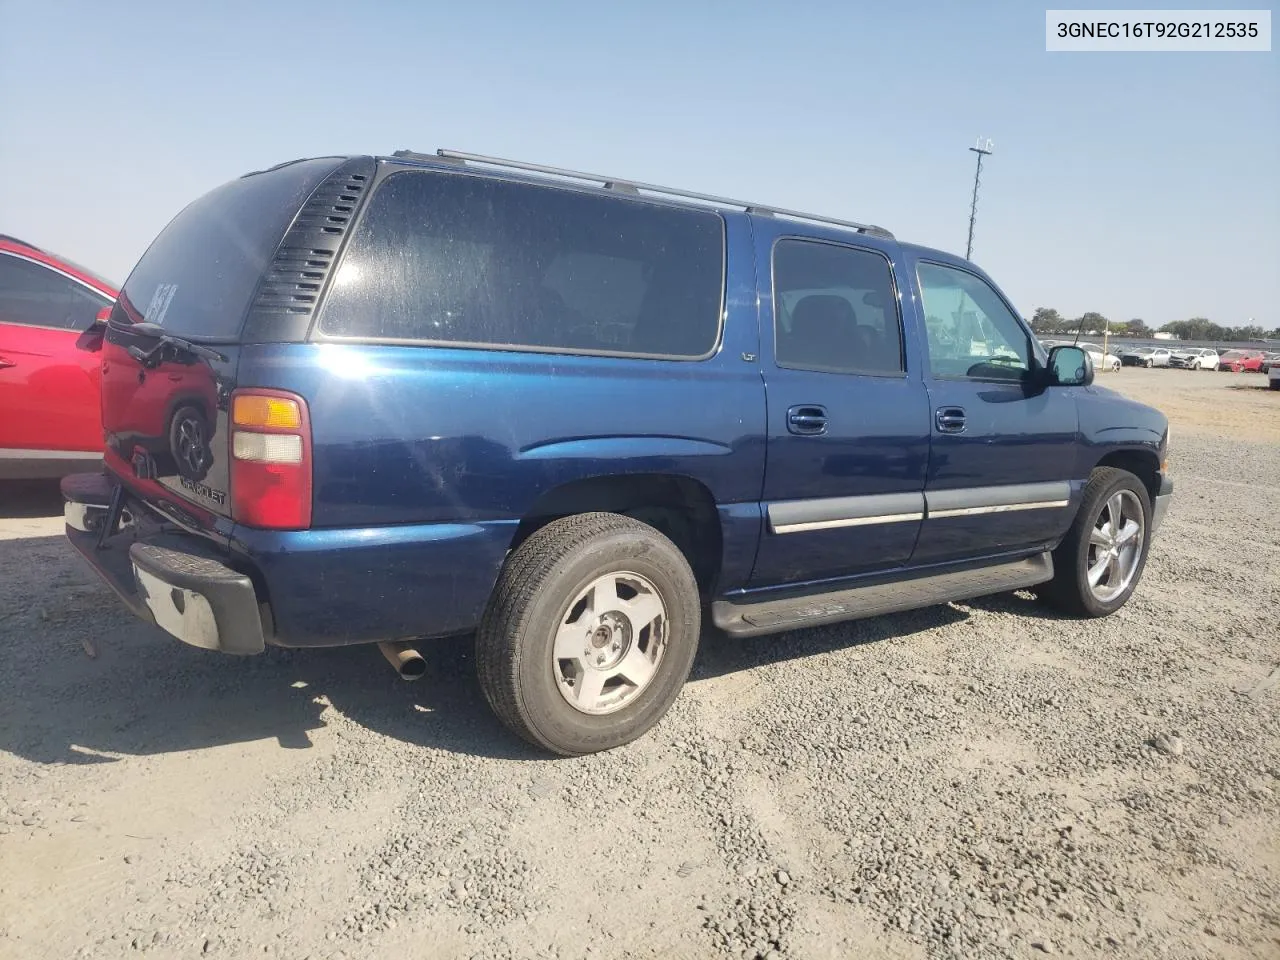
1069 367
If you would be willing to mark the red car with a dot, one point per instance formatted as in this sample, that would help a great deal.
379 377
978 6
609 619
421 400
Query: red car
50 343
1237 361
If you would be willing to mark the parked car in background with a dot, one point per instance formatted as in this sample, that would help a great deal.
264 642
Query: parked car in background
50 338
1194 358
1101 360
1146 357
1241 361
364 476
1273 375
1269 360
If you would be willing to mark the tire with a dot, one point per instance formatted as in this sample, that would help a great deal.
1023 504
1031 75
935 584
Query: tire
1148 364
542 584
1069 590
1274 384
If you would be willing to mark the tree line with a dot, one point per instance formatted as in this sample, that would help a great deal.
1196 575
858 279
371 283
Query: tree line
1047 320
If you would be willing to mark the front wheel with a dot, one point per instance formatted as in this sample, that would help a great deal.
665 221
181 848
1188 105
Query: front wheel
590 633
1100 561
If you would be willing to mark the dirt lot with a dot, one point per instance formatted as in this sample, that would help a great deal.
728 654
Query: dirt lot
974 780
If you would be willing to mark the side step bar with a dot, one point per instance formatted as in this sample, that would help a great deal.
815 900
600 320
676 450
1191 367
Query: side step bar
872 600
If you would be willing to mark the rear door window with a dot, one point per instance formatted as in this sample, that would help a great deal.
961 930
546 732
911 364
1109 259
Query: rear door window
35 296
198 276
835 310
458 259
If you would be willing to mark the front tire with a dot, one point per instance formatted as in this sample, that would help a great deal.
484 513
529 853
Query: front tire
1100 561
590 633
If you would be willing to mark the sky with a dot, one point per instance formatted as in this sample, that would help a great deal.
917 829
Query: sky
1139 185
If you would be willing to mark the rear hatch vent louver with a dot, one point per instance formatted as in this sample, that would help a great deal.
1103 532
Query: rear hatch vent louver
291 288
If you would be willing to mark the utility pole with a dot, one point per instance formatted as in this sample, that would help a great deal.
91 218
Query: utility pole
983 148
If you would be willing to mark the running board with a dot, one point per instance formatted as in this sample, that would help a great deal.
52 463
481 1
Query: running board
815 609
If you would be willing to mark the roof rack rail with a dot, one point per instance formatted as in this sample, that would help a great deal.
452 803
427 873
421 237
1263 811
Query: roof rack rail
635 186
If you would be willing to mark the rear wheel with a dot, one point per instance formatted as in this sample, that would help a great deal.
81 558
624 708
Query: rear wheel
590 633
1100 561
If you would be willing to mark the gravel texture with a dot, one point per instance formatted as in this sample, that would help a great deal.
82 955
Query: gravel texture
971 780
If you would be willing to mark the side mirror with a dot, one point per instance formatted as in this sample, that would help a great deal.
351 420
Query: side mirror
91 339
1069 367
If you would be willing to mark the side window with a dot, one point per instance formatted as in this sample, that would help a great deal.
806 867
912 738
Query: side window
36 296
834 310
971 333
452 258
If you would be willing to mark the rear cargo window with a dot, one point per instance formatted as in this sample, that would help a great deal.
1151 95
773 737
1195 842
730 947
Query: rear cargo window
451 258
198 276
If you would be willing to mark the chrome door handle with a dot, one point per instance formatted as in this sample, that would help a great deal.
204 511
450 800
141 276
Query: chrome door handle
808 420
950 419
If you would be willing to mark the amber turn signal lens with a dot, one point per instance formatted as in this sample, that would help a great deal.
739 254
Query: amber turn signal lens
257 411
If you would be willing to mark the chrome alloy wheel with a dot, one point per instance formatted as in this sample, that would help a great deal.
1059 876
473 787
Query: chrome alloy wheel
1115 546
610 642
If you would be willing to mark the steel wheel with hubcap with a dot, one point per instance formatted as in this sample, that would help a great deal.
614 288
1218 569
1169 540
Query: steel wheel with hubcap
1100 560
589 634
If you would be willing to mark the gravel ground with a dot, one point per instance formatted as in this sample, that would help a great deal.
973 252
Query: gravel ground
972 780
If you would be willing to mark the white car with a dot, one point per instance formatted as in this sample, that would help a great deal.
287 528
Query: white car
1194 358
1102 361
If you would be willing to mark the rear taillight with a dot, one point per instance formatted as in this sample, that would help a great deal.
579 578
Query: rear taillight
270 459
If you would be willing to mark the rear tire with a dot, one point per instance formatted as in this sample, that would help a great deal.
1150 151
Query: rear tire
564 604
1096 547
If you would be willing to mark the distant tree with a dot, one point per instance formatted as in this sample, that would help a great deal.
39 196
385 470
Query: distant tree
1091 321
1132 328
1197 328
1251 332
1046 320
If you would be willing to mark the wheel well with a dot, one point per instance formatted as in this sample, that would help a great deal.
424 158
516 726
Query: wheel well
680 508
1143 465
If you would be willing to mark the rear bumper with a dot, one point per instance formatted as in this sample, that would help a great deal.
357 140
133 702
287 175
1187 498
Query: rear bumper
298 588
1160 506
164 578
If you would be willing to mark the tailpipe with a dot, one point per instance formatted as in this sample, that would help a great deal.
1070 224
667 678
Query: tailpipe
407 661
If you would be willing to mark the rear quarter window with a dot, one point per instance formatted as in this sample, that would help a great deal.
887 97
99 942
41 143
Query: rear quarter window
475 261
198 276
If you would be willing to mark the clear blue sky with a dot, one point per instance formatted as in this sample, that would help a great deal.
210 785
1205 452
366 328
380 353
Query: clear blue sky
1138 185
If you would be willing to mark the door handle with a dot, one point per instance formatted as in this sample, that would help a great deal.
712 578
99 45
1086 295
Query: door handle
950 419
5 362
807 420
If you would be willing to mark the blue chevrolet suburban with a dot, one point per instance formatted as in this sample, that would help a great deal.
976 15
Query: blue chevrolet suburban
399 399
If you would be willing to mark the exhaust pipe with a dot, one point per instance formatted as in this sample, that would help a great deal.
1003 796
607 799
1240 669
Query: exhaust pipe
407 661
